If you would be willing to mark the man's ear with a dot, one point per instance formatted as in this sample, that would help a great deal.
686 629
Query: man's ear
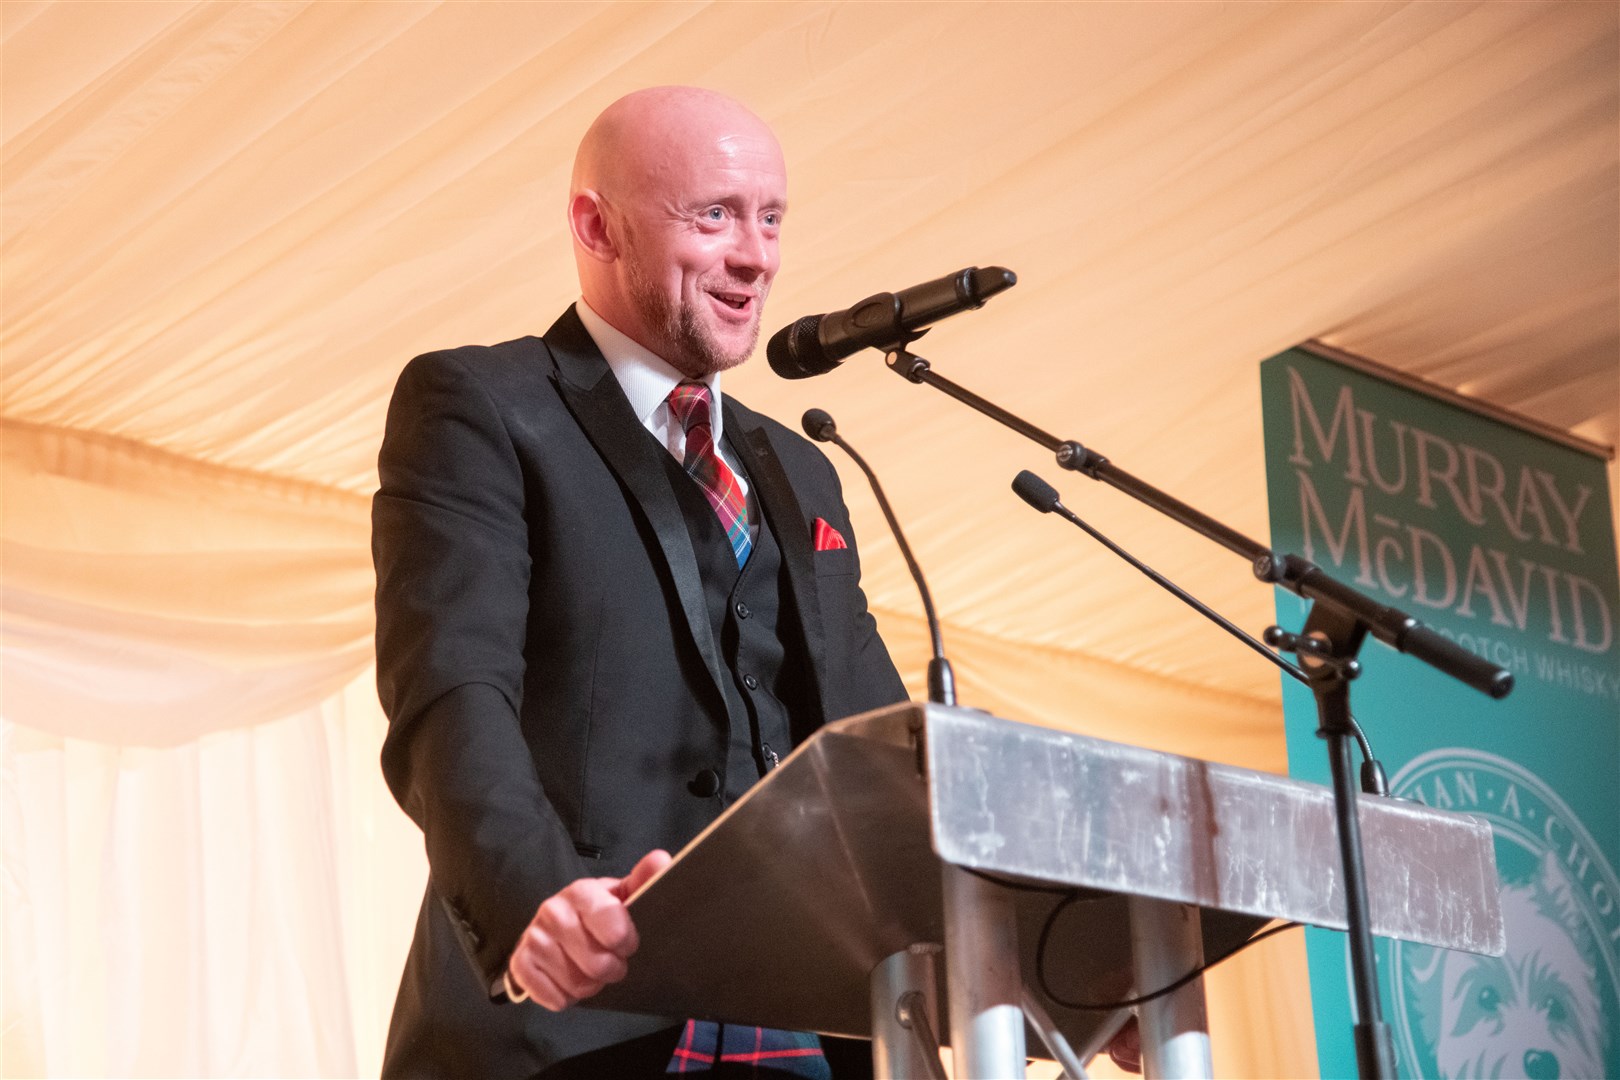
587 220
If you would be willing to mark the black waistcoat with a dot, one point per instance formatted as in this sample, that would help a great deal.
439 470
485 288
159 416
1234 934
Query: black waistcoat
750 610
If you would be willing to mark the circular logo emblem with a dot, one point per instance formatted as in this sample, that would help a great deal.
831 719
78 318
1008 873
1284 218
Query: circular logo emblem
1550 1007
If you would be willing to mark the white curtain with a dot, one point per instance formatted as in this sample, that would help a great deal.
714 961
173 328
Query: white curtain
204 875
230 906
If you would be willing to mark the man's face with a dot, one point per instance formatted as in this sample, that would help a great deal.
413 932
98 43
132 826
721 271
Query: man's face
699 247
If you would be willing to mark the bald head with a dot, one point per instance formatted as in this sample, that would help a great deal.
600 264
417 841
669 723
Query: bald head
632 144
675 209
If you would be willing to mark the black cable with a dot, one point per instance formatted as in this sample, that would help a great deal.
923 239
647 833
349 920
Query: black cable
1361 740
1110 1006
1073 896
1020 886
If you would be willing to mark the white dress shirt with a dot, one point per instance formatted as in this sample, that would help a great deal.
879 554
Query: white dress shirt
647 379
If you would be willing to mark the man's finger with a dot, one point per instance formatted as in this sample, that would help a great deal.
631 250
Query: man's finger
593 928
600 966
540 987
607 921
550 957
592 907
651 865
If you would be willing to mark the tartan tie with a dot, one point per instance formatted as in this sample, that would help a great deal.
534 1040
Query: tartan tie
689 404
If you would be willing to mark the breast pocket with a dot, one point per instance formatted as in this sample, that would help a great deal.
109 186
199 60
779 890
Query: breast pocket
837 591
838 561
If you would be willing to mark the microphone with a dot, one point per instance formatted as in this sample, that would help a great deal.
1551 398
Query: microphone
818 424
816 344
1037 492
1045 498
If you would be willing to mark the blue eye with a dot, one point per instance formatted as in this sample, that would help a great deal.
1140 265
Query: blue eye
714 213
773 219
1488 999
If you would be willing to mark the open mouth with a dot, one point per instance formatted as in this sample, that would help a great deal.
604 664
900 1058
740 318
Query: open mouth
732 300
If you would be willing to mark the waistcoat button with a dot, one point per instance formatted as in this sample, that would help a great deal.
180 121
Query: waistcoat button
742 610
705 785
750 682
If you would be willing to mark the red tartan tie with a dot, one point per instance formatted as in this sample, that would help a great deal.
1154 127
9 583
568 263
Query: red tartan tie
689 404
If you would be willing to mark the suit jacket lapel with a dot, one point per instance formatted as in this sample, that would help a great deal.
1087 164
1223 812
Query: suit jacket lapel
769 484
593 395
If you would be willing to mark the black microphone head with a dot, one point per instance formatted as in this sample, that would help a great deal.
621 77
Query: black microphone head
1037 492
795 351
985 283
818 424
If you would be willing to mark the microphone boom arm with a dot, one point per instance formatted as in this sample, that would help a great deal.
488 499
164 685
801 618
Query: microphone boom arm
1389 625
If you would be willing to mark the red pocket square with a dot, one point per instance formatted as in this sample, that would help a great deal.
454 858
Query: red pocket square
827 537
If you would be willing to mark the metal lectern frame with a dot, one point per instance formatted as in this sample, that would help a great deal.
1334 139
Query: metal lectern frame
886 836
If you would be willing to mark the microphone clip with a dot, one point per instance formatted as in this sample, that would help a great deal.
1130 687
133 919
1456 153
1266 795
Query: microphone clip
1075 457
1315 652
907 364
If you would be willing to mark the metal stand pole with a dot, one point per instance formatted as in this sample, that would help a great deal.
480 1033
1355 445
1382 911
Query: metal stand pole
905 1016
1167 941
1327 651
982 979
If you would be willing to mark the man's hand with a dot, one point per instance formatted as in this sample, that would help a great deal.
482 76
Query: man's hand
579 939
1126 1047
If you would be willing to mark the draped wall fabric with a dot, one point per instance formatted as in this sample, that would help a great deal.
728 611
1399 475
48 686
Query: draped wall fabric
226 227
229 906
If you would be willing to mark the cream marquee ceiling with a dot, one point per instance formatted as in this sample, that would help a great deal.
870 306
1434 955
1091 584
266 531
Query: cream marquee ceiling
227 226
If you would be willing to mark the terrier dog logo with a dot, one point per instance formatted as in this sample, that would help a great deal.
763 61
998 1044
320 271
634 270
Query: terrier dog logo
1550 1007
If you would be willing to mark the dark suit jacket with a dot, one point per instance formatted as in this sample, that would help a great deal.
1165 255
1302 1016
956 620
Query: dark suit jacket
548 667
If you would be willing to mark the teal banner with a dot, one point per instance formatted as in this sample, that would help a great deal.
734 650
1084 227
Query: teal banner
1503 541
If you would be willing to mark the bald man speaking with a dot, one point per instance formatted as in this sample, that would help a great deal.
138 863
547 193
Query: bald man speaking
609 599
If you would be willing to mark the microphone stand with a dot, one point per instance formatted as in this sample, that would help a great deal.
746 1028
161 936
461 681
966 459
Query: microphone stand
941 678
1337 625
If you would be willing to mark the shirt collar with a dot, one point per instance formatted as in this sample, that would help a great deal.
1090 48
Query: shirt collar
645 377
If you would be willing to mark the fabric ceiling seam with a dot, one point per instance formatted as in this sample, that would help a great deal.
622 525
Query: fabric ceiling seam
292 488
1478 406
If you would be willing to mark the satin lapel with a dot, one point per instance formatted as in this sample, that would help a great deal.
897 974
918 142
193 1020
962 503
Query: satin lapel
593 395
770 485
